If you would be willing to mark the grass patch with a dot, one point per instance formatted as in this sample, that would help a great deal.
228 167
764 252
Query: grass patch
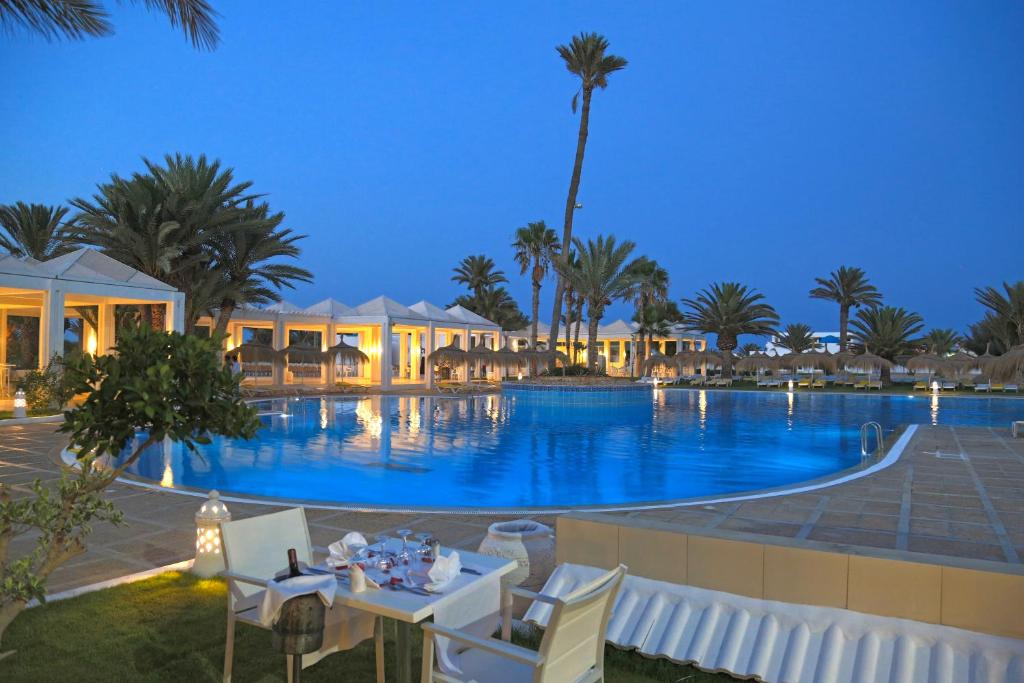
171 628
8 414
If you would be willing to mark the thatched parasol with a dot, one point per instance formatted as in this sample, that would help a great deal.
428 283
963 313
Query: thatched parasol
302 354
1009 366
255 352
868 361
346 352
509 358
985 360
758 361
448 356
928 362
480 352
658 360
812 359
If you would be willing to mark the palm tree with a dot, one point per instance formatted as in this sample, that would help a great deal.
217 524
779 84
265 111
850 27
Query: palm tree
163 222
245 263
536 245
76 19
797 338
35 230
886 331
655 320
603 276
729 309
750 348
848 287
478 273
941 341
495 304
1006 308
585 58
572 305
650 286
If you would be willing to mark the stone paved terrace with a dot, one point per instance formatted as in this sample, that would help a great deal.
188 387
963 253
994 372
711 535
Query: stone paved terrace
955 492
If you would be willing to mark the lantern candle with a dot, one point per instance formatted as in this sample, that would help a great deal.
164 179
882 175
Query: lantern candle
209 553
19 403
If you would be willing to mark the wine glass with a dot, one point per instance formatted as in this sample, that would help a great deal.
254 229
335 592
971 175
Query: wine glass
382 560
404 555
424 550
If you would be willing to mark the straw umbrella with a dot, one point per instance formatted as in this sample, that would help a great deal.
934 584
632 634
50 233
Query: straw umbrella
450 356
869 362
758 362
811 359
1009 366
346 353
929 362
657 360
302 354
703 358
506 357
255 352
481 354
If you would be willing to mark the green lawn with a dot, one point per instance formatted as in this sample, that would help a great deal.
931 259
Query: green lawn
8 414
171 628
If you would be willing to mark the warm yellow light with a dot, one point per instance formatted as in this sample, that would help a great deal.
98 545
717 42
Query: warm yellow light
167 480
231 344
90 342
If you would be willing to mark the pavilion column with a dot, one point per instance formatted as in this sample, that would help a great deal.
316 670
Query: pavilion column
106 335
51 326
3 335
280 341
332 364
403 353
174 320
385 355
428 367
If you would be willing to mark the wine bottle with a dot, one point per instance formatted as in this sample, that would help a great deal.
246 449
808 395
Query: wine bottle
293 563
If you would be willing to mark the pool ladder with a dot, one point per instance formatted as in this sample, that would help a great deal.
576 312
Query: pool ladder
865 431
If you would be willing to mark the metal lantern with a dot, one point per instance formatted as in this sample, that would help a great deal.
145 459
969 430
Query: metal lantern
19 403
209 553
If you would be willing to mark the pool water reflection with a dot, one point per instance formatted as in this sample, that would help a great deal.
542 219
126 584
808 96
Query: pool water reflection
512 451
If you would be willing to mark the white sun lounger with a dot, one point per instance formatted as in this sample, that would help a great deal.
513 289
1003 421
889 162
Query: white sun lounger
778 641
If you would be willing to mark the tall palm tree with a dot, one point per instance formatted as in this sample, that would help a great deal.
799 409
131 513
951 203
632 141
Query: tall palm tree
585 58
478 273
650 286
1006 306
849 287
796 338
941 341
246 263
603 276
76 19
535 246
729 309
162 222
572 305
35 230
655 320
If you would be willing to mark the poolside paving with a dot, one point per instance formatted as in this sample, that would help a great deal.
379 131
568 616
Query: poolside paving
955 492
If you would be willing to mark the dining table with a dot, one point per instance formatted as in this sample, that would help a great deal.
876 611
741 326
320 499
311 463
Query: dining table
407 608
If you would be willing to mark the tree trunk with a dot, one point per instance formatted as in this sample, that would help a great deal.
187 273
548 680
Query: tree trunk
570 208
570 353
726 345
578 319
8 613
535 306
227 307
844 320
158 316
592 323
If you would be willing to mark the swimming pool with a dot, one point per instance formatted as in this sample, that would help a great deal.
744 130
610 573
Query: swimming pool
517 451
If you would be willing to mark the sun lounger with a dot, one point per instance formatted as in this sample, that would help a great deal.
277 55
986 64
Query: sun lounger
948 386
983 387
874 384
863 384
698 381
818 384
921 386
1007 388
804 383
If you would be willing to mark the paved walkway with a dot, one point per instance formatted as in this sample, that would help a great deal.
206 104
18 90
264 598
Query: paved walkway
955 492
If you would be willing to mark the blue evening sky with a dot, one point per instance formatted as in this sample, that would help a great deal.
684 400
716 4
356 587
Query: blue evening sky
762 142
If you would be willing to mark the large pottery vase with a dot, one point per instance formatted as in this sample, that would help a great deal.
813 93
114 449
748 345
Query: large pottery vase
531 544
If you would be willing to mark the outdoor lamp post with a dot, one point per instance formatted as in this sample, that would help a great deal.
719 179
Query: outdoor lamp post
791 385
209 552
935 387
19 403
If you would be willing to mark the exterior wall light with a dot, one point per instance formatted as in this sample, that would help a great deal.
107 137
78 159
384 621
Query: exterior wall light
20 403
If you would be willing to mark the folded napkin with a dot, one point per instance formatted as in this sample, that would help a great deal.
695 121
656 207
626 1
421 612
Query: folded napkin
279 592
443 571
343 550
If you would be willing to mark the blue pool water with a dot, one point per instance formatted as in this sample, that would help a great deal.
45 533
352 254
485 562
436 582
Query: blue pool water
529 451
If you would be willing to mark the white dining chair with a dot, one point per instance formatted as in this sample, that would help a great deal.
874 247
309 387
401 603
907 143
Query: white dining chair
572 648
255 549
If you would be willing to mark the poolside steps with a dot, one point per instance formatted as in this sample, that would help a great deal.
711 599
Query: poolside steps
784 642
